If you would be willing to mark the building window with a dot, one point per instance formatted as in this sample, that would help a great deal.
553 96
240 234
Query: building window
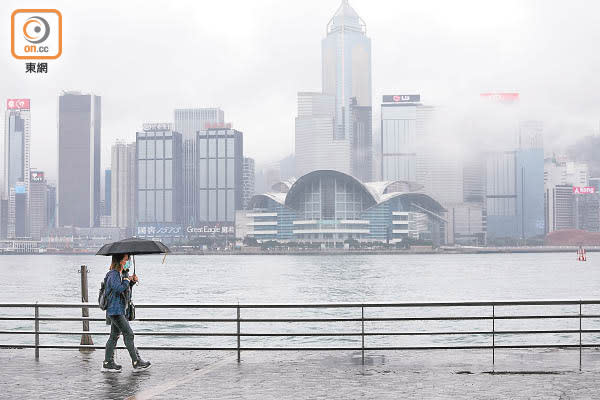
169 148
212 205
222 147
212 173
222 173
142 174
160 174
168 174
160 146
230 173
230 147
221 206
202 151
141 148
142 206
168 206
203 173
230 205
160 205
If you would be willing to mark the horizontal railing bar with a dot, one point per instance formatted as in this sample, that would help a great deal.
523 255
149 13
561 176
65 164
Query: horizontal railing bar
373 319
104 319
471 347
59 346
300 334
518 332
320 305
97 333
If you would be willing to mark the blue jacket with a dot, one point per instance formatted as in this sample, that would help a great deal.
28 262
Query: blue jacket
115 287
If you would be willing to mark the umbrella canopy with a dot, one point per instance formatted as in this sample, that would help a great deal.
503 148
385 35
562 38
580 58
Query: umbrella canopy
133 246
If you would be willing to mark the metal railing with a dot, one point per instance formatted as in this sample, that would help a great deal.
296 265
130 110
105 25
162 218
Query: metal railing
491 315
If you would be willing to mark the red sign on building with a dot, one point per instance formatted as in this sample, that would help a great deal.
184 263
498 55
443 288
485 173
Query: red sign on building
17 104
502 97
584 190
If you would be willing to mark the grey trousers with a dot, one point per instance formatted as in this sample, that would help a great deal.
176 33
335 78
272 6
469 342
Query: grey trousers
118 325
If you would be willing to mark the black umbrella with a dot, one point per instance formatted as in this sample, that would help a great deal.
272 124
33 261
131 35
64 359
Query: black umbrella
133 246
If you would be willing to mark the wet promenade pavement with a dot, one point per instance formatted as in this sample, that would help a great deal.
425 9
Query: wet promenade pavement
456 374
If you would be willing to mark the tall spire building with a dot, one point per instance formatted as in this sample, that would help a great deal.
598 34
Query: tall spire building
346 91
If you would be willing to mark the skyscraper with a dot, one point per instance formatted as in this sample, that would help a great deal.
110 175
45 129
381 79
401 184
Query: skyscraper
346 68
220 168
315 145
159 184
403 129
16 143
17 137
189 121
79 126
248 179
362 142
121 195
38 205
51 211
17 211
515 193
333 128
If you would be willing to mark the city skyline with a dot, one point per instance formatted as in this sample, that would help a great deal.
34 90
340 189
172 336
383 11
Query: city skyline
497 60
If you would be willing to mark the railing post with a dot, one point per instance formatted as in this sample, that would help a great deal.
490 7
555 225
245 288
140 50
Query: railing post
493 337
579 335
85 312
37 329
238 332
362 323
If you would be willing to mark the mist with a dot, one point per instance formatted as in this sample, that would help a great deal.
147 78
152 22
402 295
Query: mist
251 58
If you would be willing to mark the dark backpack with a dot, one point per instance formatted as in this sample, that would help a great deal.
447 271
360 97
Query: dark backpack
102 295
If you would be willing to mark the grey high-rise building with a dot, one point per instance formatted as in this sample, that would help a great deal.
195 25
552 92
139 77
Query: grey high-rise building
38 205
474 179
515 193
587 211
16 164
559 208
315 145
248 181
79 138
159 171
346 64
362 142
188 122
220 168
51 211
404 121
17 138
333 128
122 181
18 223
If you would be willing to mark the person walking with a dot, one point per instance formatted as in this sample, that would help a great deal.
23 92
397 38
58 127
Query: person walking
118 286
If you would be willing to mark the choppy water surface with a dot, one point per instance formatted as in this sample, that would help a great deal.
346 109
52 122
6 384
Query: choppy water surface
314 279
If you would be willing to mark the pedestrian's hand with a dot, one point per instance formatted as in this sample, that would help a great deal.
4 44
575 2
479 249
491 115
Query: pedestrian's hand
135 278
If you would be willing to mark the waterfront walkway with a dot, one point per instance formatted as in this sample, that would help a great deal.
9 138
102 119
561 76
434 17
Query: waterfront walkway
443 374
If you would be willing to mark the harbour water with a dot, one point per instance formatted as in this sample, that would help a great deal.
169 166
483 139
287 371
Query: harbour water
310 279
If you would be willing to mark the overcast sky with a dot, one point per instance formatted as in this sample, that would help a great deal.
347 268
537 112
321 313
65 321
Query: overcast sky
250 58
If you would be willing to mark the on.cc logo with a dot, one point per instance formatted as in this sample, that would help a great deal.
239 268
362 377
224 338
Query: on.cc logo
36 29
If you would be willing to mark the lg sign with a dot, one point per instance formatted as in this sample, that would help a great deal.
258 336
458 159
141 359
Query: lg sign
402 98
17 104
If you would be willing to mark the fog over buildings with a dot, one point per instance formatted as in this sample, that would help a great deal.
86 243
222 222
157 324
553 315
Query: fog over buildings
150 58
443 123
